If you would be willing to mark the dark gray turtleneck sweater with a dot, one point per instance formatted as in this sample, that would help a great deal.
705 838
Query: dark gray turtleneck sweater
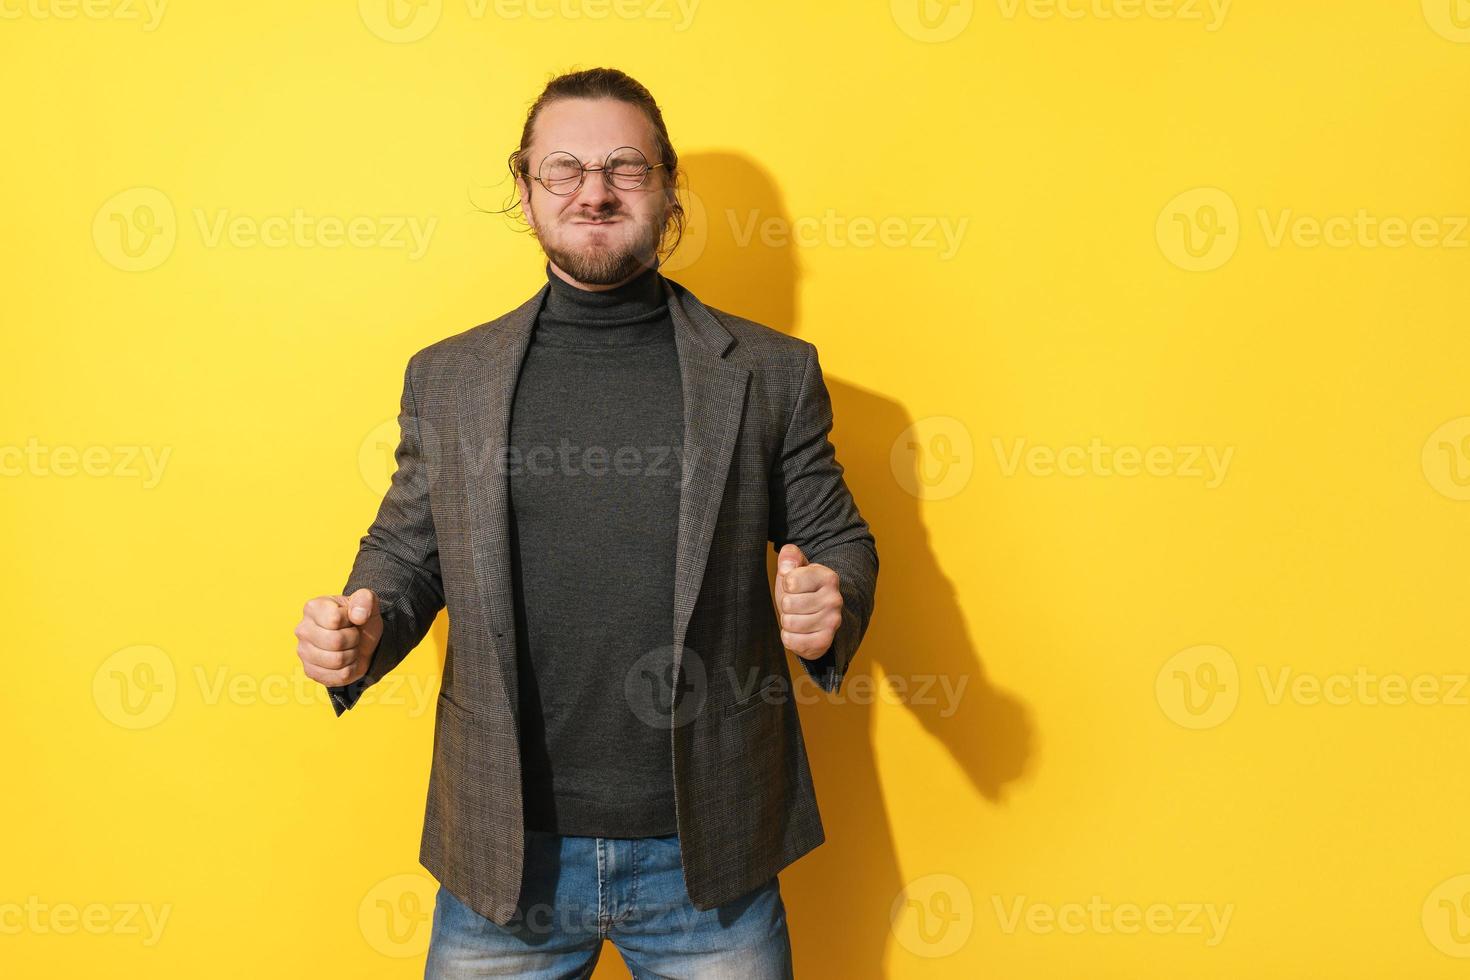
595 437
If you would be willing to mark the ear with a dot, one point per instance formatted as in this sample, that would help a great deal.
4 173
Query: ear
523 191
523 194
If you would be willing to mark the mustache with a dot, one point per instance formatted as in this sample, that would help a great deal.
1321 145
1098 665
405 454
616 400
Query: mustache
597 215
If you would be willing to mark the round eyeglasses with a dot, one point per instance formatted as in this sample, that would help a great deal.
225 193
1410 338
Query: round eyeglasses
625 168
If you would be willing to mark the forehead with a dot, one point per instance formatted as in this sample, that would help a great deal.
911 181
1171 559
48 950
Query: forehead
589 128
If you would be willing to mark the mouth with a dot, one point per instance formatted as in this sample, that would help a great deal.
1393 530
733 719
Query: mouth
605 221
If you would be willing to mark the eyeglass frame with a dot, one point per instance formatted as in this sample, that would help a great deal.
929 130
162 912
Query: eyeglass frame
586 169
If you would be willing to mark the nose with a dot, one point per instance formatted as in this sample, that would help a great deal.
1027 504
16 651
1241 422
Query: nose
594 193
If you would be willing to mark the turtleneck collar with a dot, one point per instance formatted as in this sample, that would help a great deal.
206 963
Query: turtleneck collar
634 313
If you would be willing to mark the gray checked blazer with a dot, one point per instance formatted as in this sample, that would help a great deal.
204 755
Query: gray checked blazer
757 467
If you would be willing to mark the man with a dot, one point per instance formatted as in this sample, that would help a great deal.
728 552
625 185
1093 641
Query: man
589 483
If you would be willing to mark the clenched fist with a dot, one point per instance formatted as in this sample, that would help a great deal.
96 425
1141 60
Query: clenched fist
808 603
337 636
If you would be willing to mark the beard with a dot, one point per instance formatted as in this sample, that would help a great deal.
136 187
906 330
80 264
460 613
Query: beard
603 263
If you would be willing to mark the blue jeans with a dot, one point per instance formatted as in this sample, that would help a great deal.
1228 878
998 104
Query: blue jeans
578 891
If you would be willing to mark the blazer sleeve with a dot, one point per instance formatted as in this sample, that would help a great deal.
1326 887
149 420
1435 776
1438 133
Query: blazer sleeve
812 507
398 558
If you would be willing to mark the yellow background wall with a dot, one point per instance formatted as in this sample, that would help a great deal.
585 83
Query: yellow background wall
1145 328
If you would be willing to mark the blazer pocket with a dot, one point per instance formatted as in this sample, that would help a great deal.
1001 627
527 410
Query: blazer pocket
454 707
746 703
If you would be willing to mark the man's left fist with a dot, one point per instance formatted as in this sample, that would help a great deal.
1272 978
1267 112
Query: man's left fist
808 603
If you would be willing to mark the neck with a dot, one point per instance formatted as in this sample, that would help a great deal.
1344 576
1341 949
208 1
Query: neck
632 312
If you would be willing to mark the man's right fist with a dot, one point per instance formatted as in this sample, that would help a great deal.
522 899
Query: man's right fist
337 636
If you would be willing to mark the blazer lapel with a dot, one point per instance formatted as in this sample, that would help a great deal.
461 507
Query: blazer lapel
486 387
714 402
714 396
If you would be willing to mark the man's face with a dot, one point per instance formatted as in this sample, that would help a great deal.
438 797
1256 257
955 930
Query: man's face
600 235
